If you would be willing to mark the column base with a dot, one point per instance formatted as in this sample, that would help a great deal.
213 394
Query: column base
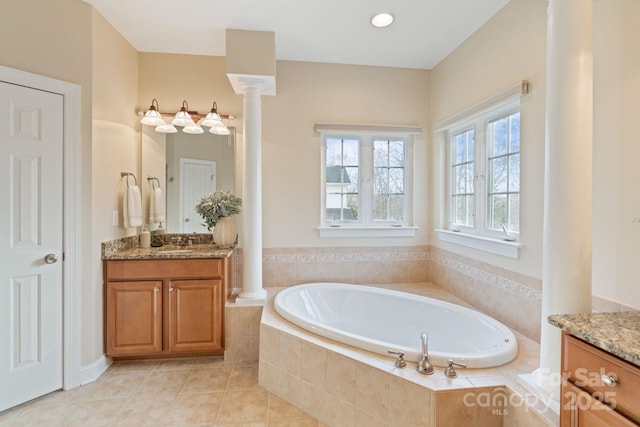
545 386
252 298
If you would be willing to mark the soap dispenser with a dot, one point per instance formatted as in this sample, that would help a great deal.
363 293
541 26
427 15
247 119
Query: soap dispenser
160 229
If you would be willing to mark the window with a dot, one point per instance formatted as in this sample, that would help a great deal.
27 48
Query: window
483 174
366 184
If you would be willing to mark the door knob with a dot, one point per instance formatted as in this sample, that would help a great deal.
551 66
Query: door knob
51 258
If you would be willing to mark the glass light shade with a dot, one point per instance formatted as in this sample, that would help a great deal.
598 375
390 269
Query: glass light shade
182 118
212 120
220 130
193 129
166 128
152 118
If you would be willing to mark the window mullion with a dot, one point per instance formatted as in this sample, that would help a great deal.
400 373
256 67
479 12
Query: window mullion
366 180
482 188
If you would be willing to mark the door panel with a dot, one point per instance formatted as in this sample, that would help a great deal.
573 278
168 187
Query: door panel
198 178
134 318
31 201
195 315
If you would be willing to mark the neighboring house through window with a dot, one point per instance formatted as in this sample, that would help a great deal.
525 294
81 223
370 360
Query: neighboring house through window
367 183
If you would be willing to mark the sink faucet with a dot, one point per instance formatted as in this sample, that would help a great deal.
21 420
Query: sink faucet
424 366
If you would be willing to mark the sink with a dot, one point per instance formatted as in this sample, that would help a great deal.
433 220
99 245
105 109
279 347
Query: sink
174 251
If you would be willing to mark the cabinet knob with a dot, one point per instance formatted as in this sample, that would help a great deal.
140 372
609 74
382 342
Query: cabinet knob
170 289
609 380
157 289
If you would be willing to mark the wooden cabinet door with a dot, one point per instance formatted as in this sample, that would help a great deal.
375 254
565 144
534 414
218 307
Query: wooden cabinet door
195 315
133 318
579 409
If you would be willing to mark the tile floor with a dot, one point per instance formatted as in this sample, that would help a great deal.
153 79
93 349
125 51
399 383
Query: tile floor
176 392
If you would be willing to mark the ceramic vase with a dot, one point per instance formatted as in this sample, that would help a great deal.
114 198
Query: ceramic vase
225 232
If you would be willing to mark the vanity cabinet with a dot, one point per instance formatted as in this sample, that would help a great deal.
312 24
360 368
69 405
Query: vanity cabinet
164 307
600 389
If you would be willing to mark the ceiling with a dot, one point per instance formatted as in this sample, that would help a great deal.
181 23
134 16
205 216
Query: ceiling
333 31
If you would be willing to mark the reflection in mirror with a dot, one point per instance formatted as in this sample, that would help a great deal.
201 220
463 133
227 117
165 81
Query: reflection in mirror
186 167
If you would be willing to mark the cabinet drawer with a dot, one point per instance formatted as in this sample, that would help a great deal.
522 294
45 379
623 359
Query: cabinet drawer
161 268
585 365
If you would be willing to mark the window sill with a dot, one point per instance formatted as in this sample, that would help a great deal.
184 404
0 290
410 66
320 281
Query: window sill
367 231
486 244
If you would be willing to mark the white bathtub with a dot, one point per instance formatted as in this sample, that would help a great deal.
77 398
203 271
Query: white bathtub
380 320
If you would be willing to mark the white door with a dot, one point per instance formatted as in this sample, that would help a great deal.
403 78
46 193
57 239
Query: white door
197 179
31 201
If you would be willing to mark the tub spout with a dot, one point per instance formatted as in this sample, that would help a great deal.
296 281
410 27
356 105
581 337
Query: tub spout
424 366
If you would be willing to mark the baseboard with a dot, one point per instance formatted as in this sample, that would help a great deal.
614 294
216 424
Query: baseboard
90 373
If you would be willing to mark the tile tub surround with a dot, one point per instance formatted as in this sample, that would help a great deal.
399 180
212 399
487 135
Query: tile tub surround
283 267
512 298
242 332
342 385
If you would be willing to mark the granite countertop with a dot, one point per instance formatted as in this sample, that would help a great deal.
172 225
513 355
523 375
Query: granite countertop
170 252
170 246
615 333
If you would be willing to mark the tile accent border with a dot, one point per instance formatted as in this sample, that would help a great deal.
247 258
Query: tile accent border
486 277
283 267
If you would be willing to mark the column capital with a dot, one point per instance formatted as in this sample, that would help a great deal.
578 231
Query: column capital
247 83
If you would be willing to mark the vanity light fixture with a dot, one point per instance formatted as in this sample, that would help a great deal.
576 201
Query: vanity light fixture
183 118
153 117
381 20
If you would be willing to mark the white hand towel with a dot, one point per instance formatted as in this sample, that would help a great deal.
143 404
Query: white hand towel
132 206
156 206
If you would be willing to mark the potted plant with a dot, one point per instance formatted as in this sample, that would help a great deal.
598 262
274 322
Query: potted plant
217 210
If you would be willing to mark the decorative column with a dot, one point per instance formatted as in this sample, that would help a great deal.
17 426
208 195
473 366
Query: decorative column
566 263
252 290
251 70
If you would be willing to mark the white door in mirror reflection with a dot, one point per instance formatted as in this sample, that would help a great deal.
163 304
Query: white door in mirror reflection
198 178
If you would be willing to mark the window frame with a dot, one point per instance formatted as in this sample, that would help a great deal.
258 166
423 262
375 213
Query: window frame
365 225
478 235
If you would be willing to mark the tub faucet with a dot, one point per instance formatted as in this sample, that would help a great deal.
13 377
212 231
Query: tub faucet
424 366
450 371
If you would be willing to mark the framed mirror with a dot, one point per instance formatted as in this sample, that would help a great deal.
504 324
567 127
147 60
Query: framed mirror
184 167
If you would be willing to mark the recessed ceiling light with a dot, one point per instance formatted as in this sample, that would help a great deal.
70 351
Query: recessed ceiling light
382 20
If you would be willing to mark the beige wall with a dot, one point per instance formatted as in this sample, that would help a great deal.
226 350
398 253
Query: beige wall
116 147
616 176
507 49
54 39
308 93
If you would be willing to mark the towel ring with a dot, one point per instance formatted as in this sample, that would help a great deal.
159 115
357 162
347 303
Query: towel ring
128 174
154 181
